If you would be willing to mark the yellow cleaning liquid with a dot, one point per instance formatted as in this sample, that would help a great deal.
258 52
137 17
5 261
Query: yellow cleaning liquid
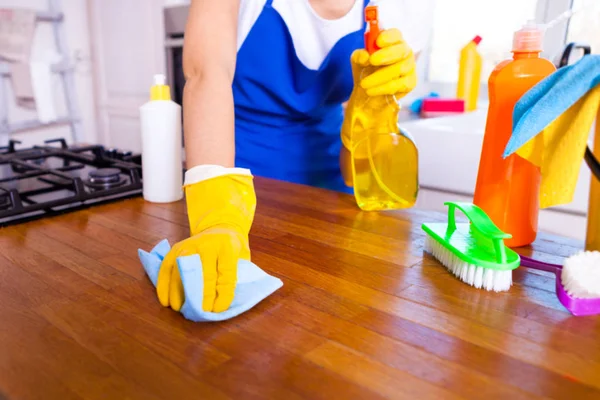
469 76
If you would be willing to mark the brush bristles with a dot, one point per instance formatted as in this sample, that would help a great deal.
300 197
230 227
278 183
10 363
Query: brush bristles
479 277
581 275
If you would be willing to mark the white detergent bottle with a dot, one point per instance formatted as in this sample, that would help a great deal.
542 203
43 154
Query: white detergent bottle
162 168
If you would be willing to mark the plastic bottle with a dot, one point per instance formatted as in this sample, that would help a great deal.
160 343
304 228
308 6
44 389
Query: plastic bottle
592 240
508 189
469 75
162 168
384 157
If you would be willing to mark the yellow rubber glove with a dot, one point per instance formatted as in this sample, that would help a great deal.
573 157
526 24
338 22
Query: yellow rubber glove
390 71
220 214
395 67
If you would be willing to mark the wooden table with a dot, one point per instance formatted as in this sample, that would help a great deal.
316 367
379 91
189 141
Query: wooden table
363 313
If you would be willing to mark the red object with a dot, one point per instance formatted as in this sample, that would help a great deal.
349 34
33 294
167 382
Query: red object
436 106
477 39
371 17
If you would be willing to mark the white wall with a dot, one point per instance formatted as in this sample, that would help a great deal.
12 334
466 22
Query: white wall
76 29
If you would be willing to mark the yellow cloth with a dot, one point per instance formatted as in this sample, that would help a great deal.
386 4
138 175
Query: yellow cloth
560 148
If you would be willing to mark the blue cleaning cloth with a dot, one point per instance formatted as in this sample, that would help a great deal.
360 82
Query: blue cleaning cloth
253 285
550 98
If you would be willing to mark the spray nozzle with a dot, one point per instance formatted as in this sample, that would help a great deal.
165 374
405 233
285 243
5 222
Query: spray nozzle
371 18
371 13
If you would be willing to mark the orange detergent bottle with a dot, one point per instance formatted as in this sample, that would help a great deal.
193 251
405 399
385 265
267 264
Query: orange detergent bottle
384 158
469 75
508 189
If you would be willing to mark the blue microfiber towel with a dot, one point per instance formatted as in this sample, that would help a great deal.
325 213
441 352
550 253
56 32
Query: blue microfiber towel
253 286
552 123
550 98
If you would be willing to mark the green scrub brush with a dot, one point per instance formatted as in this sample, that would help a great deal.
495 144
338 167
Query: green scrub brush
474 252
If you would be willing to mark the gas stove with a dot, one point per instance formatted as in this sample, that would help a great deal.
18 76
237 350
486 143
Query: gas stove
55 178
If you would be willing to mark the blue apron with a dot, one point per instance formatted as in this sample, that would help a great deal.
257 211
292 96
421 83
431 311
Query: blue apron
288 117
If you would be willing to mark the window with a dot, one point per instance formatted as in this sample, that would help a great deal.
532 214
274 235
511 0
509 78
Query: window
584 26
450 148
456 22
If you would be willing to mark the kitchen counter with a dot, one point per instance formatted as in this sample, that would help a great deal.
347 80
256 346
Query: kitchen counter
363 313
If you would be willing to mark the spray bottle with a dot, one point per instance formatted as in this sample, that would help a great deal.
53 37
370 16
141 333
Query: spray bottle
508 189
469 75
162 168
384 157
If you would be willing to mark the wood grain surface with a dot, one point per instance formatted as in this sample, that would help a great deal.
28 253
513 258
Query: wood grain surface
364 313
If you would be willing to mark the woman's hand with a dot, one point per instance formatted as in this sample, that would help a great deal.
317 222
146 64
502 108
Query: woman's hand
220 212
393 66
219 248
391 70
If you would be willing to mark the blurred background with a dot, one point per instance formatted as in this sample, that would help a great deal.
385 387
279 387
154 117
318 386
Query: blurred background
116 46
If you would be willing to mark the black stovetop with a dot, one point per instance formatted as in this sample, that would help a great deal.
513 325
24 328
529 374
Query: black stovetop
55 178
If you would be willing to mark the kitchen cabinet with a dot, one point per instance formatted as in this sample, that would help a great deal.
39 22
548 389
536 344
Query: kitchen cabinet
128 43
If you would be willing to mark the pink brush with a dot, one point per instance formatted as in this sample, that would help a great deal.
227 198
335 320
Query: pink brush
577 306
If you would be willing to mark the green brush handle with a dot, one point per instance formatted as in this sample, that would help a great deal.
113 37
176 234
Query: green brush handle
481 222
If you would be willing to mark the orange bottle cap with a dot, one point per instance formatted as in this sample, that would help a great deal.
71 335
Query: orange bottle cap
528 39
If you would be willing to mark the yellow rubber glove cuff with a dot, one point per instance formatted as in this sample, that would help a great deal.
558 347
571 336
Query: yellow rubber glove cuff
220 213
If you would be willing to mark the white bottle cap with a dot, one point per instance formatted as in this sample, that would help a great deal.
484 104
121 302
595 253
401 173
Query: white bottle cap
159 79
529 38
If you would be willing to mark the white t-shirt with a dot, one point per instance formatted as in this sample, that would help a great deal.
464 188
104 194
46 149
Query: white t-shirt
314 36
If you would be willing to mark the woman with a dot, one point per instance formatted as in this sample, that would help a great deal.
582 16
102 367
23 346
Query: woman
265 84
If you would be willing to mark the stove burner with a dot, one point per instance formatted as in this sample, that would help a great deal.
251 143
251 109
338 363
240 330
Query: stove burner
42 181
105 178
5 202
105 175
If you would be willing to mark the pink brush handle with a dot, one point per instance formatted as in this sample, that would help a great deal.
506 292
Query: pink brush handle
540 265
576 306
